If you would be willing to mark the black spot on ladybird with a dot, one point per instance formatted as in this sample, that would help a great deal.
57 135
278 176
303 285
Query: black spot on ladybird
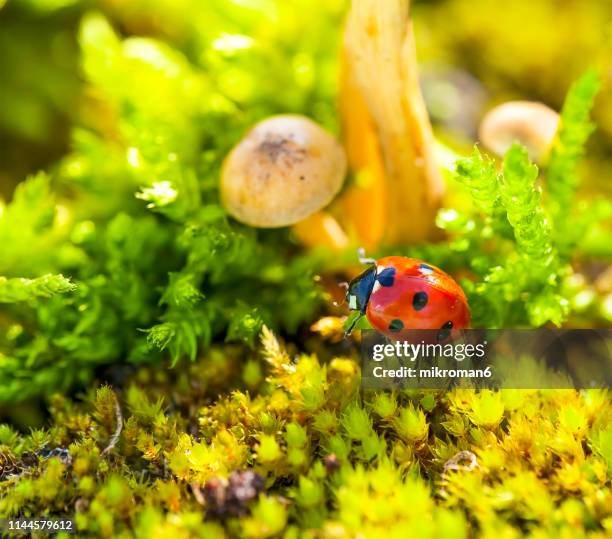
396 325
419 300
386 277
445 331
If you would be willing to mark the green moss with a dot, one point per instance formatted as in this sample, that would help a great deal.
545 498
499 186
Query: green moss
540 458
121 265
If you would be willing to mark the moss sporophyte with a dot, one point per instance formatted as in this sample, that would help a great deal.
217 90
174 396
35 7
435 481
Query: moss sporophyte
172 353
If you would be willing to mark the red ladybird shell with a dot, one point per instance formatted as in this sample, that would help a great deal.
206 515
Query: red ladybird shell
411 294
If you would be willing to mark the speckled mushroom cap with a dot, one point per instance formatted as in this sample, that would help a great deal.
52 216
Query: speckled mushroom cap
532 124
286 168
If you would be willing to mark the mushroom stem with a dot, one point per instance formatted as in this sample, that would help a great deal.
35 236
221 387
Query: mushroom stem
381 59
321 229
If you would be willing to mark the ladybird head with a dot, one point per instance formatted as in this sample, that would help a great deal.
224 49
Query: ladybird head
360 289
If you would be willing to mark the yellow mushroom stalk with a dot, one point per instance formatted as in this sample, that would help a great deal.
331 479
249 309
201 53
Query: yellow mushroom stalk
362 208
381 63
321 229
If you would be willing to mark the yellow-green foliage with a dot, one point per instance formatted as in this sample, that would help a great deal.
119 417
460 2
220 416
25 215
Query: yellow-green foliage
537 462
120 263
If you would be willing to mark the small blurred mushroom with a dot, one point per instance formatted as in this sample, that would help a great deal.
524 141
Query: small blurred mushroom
532 124
285 169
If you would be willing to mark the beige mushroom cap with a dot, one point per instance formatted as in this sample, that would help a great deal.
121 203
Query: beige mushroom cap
286 168
532 124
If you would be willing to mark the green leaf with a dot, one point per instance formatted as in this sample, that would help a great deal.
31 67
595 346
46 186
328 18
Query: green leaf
356 422
411 424
478 173
487 409
521 199
15 290
575 127
245 325
601 441
181 291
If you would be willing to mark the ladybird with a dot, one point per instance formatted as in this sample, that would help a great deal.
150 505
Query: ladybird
397 293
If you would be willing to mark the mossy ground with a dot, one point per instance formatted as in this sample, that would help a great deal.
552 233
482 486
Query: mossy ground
134 311
337 462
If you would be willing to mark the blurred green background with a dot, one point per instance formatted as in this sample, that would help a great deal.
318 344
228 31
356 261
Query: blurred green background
245 60
473 53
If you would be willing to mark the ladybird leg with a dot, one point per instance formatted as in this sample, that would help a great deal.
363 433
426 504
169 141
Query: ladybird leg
349 330
363 259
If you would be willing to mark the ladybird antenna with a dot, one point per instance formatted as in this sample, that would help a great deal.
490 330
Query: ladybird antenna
363 259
